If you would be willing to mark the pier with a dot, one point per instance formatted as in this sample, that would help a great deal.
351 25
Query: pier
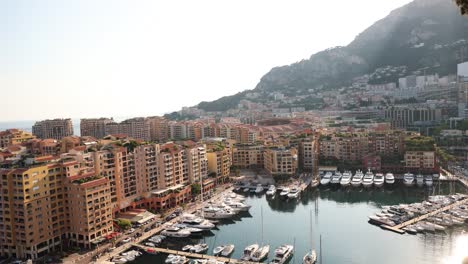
192 255
398 228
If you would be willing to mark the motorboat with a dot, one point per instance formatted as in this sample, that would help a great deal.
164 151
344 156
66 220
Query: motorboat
408 179
217 250
150 244
119 260
248 252
259 189
238 206
217 213
151 251
326 178
192 230
191 220
199 248
260 254
294 193
389 178
282 254
157 239
379 180
336 178
310 257
271 190
436 176
246 189
175 232
357 179
175 259
368 179
346 178
419 180
187 248
227 251
284 192
428 180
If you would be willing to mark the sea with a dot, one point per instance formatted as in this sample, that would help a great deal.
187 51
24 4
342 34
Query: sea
339 232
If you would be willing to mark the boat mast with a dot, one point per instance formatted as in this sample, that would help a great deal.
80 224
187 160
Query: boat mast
261 213
311 239
321 258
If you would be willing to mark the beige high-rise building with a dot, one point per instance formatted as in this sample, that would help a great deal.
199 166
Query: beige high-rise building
173 166
56 128
197 163
281 161
146 159
158 129
89 208
219 162
307 154
94 127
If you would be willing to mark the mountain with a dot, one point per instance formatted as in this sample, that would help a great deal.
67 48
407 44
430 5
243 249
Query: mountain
424 35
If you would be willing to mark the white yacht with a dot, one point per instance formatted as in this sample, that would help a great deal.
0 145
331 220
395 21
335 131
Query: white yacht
259 189
368 179
419 180
271 190
389 178
248 252
284 192
357 179
282 254
237 206
336 178
408 179
379 180
217 213
346 179
326 178
294 193
177 232
191 220
260 254
199 248
428 180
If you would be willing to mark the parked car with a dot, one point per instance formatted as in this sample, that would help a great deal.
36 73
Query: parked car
170 217
126 240
131 230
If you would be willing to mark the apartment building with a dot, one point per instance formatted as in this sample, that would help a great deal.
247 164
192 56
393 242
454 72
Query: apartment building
247 156
402 116
307 154
146 158
95 127
219 162
55 129
158 128
172 166
137 127
347 147
420 160
14 137
281 161
390 143
197 163
89 208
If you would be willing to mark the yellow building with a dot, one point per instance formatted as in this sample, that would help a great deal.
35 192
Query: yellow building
14 137
420 159
281 161
219 162
245 156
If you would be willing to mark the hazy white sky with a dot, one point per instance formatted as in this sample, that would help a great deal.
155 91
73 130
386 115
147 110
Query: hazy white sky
138 58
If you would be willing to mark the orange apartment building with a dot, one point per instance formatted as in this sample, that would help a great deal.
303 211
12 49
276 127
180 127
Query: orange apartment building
14 137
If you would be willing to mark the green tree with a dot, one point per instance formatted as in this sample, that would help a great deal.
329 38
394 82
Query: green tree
463 5
196 189
124 224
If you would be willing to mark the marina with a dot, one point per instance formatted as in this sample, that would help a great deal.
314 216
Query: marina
338 216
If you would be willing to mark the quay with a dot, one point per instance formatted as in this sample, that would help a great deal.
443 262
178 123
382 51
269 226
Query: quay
192 255
398 228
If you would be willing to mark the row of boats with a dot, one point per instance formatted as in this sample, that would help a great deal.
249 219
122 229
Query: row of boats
370 179
397 214
253 253
126 257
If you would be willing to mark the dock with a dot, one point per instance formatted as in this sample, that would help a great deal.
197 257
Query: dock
192 255
398 228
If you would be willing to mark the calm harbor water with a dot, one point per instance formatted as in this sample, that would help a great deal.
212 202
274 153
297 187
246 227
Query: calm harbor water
340 217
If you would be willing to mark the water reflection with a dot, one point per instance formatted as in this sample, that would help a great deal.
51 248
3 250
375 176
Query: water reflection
340 216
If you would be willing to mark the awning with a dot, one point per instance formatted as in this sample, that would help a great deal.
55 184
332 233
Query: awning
98 240
146 219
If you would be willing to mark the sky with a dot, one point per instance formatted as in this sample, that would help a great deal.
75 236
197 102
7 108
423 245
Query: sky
116 58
